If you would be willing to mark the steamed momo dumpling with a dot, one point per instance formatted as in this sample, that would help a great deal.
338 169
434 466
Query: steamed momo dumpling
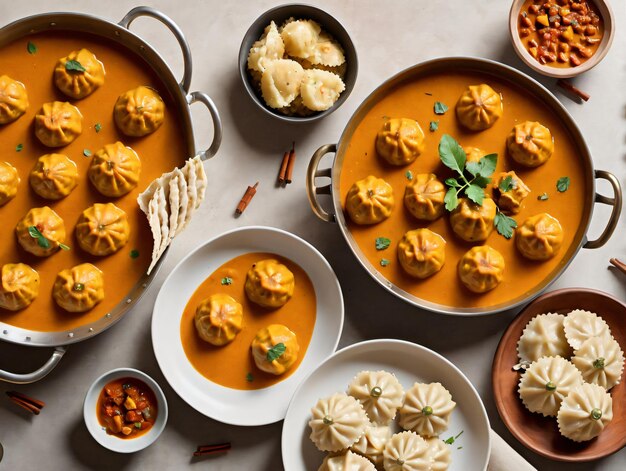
372 443
54 176
424 197
440 454
13 99
406 451
281 82
530 144
581 325
337 422
300 38
379 392
400 141
509 201
327 52
9 181
600 360
347 461
370 201
544 336
19 286
102 229
422 253
269 48
49 224
267 339
79 289
79 74
481 269
479 107
539 237
57 124
269 283
218 319
585 412
139 112
473 222
114 170
545 384
427 409
320 89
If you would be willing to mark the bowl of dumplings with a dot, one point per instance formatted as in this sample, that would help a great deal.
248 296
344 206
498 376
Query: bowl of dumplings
558 375
297 63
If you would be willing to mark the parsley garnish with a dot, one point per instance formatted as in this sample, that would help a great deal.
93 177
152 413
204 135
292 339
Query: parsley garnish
31 48
542 197
562 184
19 147
440 108
409 175
382 243
434 125
453 156
384 262
275 352
74 66
249 377
134 253
504 225
507 184
227 280
86 152
97 127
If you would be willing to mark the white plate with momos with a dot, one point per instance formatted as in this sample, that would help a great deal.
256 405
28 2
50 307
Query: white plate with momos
467 434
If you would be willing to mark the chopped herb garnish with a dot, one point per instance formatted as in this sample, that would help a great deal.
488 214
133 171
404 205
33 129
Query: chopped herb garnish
275 352
504 225
63 246
249 377
449 441
86 152
459 447
382 243
434 125
598 363
138 425
409 175
460 433
562 184
19 147
97 127
36 234
78 287
134 253
507 184
74 66
440 108
31 48
227 280
542 197
384 262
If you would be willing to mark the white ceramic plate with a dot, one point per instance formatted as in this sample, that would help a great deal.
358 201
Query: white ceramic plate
410 363
112 442
233 406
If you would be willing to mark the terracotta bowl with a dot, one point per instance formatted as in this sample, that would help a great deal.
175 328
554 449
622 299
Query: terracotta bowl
606 13
541 434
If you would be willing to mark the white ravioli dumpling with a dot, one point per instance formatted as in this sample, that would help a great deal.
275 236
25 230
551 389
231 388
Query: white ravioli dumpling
601 361
545 384
327 52
269 48
406 451
320 89
585 412
379 392
337 422
426 409
346 462
544 336
280 82
372 443
580 325
300 37
440 454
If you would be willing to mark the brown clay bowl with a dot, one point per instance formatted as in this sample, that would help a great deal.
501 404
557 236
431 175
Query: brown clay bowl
541 434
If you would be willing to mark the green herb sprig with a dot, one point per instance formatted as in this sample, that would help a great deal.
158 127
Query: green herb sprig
276 352
41 239
504 224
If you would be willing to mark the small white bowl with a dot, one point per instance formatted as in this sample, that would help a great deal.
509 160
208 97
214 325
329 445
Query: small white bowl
112 442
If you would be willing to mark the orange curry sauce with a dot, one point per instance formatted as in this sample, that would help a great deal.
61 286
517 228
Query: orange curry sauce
159 152
232 365
415 99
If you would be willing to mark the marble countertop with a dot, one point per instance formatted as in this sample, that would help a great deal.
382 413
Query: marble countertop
388 40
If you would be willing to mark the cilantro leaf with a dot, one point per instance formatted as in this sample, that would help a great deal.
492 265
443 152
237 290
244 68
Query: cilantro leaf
562 184
97 127
452 182
227 280
452 154
475 193
31 48
275 352
506 184
434 125
481 181
74 66
504 225
382 243
484 167
473 168
41 239
451 199
440 108
19 147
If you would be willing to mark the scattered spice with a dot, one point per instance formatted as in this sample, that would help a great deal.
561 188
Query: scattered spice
440 108
433 126
134 253
19 147
25 402
276 352
567 86
384 262
246 198
542 197
203 450
74 66
31 47
227 280
98 127
409 175
428 94
562 184
382 243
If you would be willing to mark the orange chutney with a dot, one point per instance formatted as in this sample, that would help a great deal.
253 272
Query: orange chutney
159 152
232 365
415 99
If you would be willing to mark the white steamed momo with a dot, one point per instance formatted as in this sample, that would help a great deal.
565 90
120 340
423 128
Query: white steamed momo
346 462
406 451
581 325
327 52
269 48
300 37
543 336
545 384
337 422
426 409
585 412
320 89
280 82
440 454
601 361
372 443
379 392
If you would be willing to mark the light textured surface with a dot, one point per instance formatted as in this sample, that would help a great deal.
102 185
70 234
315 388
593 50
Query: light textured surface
388 40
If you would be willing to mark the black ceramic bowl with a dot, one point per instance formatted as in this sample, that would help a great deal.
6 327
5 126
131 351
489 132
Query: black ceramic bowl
299 11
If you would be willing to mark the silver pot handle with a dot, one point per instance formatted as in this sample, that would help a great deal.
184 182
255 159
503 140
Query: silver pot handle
137 12
37 375
195 97
312 190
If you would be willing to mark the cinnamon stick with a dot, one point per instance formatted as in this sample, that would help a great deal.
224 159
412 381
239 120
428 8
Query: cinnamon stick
621 266
204 450
28 403
568 86
290 163
24 397
246 198
283 168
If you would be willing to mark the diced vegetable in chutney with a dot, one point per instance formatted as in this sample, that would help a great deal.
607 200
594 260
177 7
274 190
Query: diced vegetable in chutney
563 33
127 408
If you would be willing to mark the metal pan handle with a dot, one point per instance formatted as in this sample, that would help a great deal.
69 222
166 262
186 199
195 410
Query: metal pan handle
37 375
137 12
616 202
311 174
195 97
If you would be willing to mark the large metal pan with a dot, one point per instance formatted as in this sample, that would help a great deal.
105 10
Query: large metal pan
180 95
483 66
